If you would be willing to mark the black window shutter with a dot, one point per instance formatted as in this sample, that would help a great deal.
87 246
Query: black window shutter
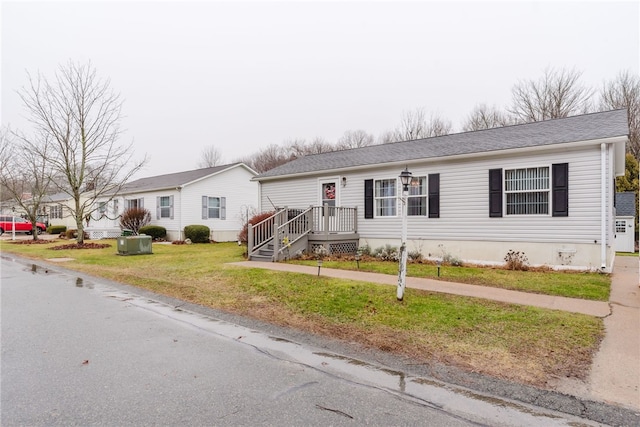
368 198
560 189
495 193
434 195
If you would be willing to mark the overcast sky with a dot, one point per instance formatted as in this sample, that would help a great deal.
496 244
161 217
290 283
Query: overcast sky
243 75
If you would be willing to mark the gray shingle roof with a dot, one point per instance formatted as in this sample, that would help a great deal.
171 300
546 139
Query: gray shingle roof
570 129
626 203
172 180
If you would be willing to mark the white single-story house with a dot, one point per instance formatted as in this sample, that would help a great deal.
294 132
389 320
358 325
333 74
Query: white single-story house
625 239
57 208
216 197
543 188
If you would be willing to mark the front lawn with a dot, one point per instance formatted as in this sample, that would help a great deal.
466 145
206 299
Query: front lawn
519 343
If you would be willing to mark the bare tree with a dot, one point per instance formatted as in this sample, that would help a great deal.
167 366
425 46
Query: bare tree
25 175
414 125
559 93
211 157
624 92
355 139
438 126
485 117
387 137
267 158
78 115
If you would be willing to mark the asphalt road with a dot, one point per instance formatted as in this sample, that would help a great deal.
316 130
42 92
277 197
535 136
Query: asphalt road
79 351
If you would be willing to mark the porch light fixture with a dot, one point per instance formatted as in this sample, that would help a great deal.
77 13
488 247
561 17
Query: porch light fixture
405 180
344 181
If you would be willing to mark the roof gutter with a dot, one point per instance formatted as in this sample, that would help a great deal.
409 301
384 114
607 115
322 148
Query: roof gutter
403 163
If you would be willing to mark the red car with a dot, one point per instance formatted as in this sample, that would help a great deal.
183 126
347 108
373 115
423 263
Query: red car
22 225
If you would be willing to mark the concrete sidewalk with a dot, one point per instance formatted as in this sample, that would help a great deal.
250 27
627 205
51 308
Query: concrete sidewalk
592 308
615 375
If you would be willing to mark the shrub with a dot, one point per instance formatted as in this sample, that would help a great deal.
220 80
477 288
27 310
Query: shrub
516 261
56 229
415 255
197 233
387 253
155 231
365 249
135 218
244 233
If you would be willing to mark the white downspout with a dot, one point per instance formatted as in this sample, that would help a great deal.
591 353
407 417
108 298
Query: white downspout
603 206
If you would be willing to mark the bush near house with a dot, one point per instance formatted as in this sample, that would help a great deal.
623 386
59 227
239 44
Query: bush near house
155 231
73 234
56 229
135 218
197 233
243 235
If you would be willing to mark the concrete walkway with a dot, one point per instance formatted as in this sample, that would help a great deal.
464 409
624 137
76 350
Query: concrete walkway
592 308
615 376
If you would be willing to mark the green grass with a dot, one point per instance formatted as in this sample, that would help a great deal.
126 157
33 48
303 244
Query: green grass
516 342
627 254
592 286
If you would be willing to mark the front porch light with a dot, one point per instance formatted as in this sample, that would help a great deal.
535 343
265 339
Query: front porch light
405 179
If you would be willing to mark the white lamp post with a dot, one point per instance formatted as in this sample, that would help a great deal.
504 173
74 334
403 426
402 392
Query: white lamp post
13 224
405 180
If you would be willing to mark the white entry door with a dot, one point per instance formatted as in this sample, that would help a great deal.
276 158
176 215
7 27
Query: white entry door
625 235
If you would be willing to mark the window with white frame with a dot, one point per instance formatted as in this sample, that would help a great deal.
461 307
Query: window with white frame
621 226
385 197
527 191
214 207
134 203
165 206
55 212
417 197
102 208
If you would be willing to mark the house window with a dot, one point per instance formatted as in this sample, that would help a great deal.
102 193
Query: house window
385 197
527 191
165 207
115 206
214 207
134 203
55 212
621 226
417 198
102 208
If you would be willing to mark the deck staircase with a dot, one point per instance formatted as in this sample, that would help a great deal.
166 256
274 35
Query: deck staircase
289 232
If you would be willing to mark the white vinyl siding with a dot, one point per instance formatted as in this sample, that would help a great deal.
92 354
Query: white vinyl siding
464 200
527 191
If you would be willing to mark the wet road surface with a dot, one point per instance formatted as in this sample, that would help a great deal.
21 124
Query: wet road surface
76 351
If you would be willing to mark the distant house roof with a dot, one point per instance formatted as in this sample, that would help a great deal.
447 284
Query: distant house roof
58 197
626 203
175 180
585 127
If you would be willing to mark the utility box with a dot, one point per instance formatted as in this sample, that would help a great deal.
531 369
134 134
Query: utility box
134 245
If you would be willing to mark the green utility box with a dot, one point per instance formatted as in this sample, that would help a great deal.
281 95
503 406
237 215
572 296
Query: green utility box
134 245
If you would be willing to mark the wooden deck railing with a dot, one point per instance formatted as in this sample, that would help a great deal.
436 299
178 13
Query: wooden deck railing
287 228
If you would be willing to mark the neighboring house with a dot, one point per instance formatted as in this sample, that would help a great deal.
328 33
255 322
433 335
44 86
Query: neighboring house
57 210
543 188
625 240
216 197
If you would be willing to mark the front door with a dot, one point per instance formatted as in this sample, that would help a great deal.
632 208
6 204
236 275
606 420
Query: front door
624 241
329 199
